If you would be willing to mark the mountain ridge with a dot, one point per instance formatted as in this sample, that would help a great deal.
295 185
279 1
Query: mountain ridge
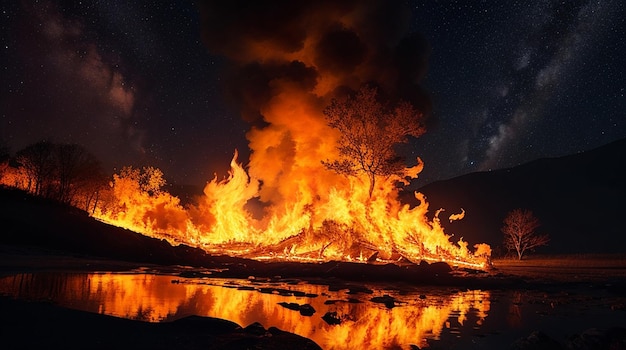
579 199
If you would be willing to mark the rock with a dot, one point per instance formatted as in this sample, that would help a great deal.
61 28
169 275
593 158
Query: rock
388 300
290 306
331 318
246 288
256 329
307 310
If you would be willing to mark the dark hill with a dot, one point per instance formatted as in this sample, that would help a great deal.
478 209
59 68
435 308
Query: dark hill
580 200
31 221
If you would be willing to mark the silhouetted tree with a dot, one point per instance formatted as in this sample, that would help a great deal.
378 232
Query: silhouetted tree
38 162
75 168
520 232
59 171
369 131
89 193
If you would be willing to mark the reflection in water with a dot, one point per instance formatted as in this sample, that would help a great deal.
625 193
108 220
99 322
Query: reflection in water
418 316
514 316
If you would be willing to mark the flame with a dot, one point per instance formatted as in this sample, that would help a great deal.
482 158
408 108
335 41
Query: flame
343 223
309 212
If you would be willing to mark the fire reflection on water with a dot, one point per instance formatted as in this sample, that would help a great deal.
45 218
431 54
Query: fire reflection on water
417 317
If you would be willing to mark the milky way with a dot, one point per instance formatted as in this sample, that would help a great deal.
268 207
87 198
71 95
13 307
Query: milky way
518 81
134 83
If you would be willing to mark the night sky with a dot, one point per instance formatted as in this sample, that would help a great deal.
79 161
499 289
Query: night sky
151 82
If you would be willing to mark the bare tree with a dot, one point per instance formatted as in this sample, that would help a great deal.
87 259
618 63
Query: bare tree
60 171
90 190
520 232
75 168
38 161
369 131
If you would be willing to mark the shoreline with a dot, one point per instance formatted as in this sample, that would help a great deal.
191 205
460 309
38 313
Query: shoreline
56 326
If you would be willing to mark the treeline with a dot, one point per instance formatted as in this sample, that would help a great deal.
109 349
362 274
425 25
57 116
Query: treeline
67 173
133 198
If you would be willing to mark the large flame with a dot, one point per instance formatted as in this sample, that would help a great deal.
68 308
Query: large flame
340 223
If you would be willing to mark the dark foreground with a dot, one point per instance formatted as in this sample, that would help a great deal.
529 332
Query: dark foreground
40 325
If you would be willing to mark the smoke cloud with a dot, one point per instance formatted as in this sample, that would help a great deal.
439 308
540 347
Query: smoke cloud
290 58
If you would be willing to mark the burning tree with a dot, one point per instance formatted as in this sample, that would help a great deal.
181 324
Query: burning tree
137 201
369 131
520 232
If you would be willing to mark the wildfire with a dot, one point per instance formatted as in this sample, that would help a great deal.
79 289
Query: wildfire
343 224
319 217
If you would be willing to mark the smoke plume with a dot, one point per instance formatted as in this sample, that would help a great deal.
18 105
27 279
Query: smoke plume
288 59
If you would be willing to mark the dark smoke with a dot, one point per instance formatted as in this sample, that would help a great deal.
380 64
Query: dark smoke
356 42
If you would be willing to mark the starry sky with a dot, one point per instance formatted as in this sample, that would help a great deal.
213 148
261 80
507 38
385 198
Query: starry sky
143 82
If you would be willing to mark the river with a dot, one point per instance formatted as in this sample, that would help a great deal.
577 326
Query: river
340 316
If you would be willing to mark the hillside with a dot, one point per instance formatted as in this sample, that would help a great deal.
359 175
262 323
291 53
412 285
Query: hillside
36 222
580 200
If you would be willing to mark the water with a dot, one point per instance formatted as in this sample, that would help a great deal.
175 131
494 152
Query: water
345 317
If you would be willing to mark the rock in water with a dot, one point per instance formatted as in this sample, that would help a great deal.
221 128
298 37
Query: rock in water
307 310
331 318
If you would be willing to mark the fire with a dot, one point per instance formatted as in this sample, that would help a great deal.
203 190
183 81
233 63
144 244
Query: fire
286 205
342 224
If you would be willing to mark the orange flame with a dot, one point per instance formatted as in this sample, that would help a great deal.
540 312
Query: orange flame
343 223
